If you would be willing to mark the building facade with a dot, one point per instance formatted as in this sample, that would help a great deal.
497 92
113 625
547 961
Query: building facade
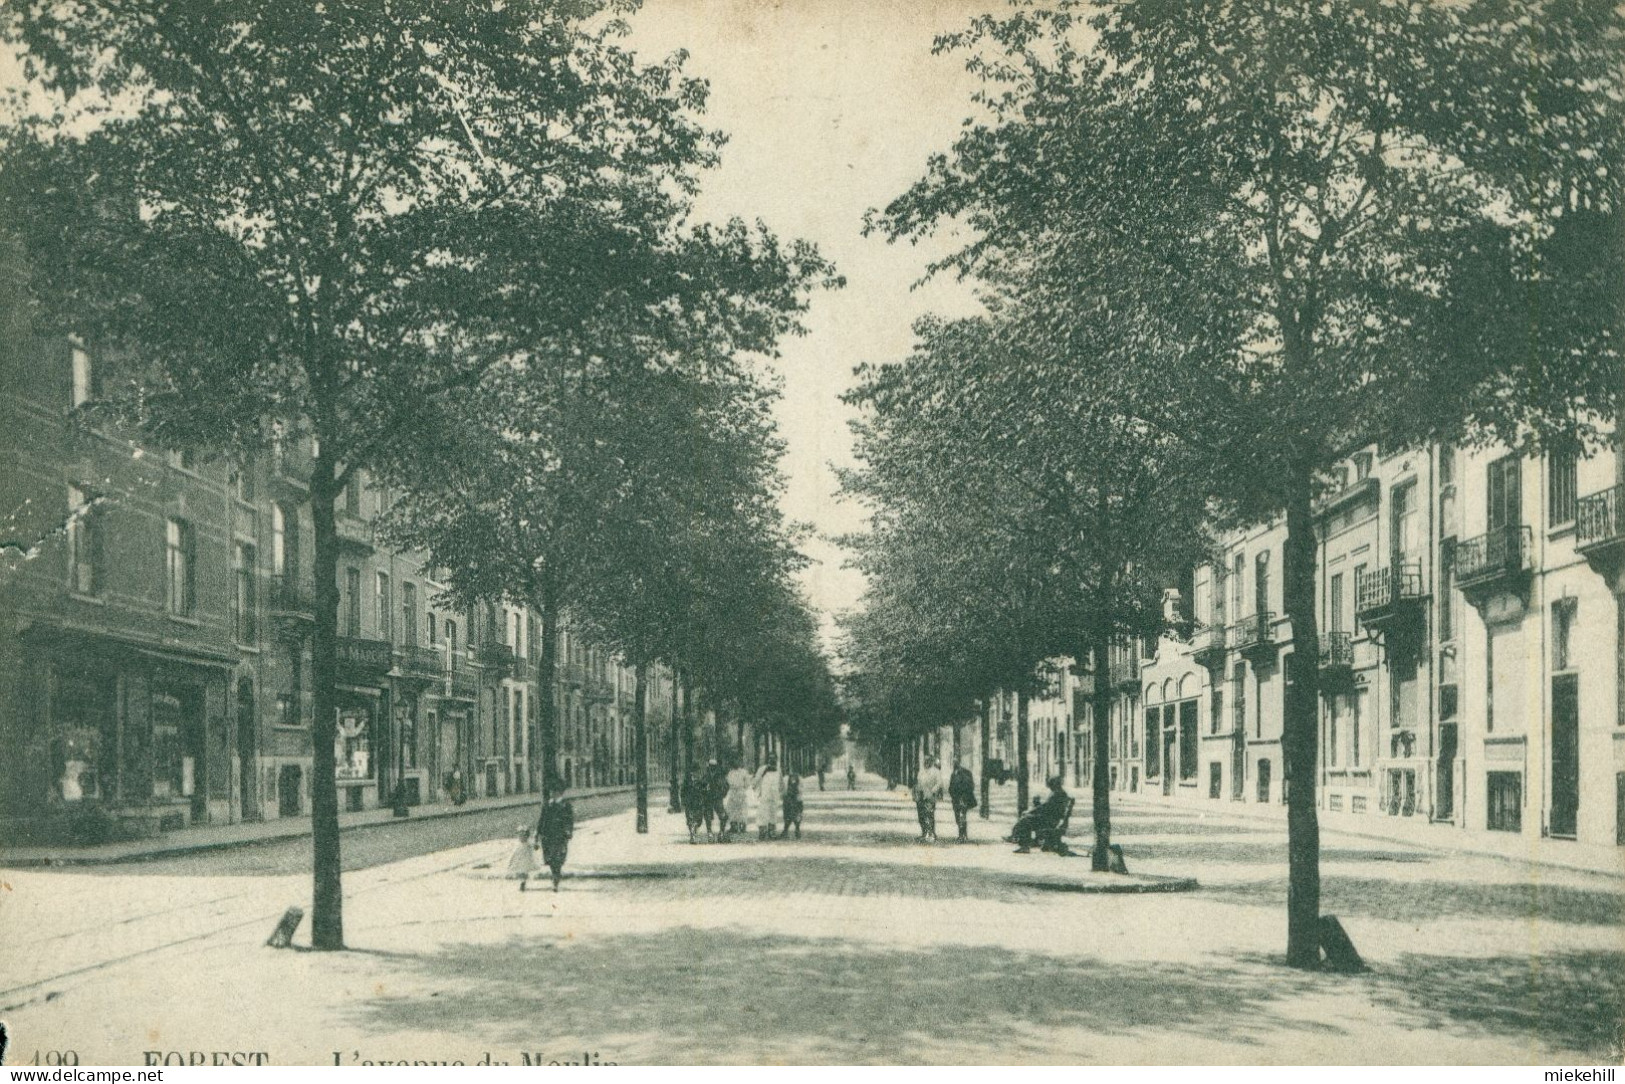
1471 653
155 624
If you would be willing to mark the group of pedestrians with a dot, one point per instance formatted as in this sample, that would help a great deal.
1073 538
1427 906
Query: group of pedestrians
727 803
929 789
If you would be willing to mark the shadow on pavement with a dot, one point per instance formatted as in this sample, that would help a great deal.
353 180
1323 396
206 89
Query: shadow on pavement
716 995
1574 1000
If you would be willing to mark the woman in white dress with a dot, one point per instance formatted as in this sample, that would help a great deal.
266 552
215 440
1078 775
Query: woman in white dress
734 805
769 799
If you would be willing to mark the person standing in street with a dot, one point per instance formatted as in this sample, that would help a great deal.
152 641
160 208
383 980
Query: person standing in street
738 796
769 796
696 805
793 806
716 794
928 790
823 766
553 830
962 793
851 776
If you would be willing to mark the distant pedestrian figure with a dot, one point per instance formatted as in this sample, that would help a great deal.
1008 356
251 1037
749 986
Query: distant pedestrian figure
696 805
823 766
792 804
553 830
455 788
962 793
851 776
739 783
928 791
523 861
769 796
715 782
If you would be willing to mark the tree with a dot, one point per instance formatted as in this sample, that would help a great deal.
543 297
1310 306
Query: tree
1317 201
1026 514
340 219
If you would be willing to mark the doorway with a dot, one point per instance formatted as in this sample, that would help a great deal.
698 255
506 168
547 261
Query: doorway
1263 780
1565 755
289 783
1168 736
247 749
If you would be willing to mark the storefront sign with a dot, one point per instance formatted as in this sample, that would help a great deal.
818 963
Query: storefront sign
359 656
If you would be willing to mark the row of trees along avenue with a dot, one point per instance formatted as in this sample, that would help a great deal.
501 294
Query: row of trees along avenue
449 245
1220 242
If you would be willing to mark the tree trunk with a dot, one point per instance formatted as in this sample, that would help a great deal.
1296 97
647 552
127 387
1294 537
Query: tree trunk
675 760
1100 738
1299 736
640 743
987 745
327 897
1023 767
547 690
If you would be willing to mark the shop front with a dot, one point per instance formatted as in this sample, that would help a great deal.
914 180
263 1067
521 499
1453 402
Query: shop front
361 741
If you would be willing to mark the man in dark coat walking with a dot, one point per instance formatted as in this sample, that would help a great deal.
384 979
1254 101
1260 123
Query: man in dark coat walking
553 830
962 793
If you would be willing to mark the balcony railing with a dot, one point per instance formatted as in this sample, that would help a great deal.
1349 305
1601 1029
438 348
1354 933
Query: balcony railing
1336 650
1600 519
497 658
462 680
1383 588
1208 645
289 595
423 662
1500 554
1253 633
1125 674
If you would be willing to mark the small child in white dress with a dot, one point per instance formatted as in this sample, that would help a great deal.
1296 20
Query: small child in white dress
523 862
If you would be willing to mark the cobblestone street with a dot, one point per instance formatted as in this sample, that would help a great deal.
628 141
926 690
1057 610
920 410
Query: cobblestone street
856 943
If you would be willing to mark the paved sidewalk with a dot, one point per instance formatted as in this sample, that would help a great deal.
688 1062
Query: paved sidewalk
1400 831
216 837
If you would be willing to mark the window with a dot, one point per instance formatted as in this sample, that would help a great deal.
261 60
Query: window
1187 741
1504 502
1359 575
181 550
352 602
409 614
244 603
1564 611
242 482
1261 584
1447 465
1237 597
451 640
1153 743
84 544
1334 711
86 382
1447 591
434 633
290 711
384 597
1405 537
1561 491
1504 808
1238 698
1362 466
352 495
1334 620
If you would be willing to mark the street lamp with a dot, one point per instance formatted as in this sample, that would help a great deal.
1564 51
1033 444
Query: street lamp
403 719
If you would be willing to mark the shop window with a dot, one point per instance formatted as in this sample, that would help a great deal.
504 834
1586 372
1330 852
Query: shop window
1504 805
1187 741
353 744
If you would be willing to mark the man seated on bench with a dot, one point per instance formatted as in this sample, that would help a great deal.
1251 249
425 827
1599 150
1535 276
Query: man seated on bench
1046 822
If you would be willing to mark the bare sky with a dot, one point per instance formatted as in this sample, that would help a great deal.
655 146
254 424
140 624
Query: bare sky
832 107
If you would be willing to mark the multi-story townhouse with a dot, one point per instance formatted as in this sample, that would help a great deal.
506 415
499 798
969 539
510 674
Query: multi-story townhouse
155 663
1469 656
